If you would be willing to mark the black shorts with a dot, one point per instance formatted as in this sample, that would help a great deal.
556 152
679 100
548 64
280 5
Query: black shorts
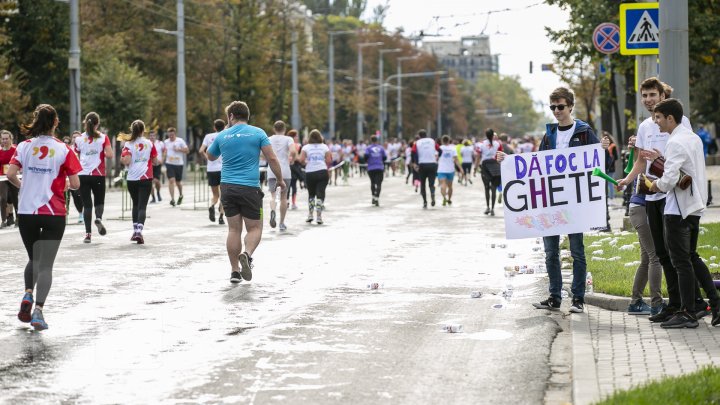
157 172
466 167
213 179
243 200
174 172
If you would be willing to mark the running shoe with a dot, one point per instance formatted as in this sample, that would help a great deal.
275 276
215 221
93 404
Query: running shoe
309 218
577 306
38 320
100 226
159 198
180 200
172 202
444 202
487 211
550 303
26 308
432 202
81 219
153 200
681 319
140 240
664 315
235 277
424 204
639 307
283 228
273 222
449 202
134 237
221 220
10 220
246 264
492 213
294 207
319 218
211 213
3 225
87 238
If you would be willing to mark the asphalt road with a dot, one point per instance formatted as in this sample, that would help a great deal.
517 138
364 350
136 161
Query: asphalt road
160 323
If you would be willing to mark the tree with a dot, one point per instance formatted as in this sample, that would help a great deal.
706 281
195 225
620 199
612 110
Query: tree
504 105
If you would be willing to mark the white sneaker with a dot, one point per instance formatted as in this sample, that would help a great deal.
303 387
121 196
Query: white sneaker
282 228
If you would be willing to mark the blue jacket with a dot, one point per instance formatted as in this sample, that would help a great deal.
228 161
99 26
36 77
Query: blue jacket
583 135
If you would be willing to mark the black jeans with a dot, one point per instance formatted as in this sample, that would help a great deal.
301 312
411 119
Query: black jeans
376 179
139 194
41 235
681 238
427 171
316 183
92 186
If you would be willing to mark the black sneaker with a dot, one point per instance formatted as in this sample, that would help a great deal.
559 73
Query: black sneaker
424 204
235 277
702 312
432 202
100 227
10 220
273 222
681 319
577 306
551 303
172 202
179 200
221 220
715 315
664 315
246 264
211 213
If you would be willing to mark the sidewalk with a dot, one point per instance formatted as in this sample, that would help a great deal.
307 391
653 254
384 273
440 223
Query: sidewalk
629 350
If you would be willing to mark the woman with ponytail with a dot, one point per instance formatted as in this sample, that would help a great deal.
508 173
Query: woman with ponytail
93 148
139 155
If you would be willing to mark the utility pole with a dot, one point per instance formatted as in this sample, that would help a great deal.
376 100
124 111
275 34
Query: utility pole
381 88
439 105
74 66
674 52
646 66
181 117
361 98
295 118
399 93
331 79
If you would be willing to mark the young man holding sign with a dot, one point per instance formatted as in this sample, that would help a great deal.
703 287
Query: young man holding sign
567 133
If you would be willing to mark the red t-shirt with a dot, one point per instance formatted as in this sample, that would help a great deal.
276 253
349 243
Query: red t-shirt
5 156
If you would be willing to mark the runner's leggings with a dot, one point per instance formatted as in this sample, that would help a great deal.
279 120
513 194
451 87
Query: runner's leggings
376 179
427 171
8 195
92 186
316 183
139 194
41 235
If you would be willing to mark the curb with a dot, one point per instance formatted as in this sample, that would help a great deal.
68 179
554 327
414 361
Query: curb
609 302
585 388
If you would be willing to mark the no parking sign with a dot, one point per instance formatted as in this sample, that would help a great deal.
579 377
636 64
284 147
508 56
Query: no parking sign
606 38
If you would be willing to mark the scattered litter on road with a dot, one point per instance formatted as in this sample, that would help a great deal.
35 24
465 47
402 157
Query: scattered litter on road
374 286
453 328
476 294
536 249
498 306
511 255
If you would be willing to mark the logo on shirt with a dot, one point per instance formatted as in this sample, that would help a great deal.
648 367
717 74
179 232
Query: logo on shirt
44 152
140 146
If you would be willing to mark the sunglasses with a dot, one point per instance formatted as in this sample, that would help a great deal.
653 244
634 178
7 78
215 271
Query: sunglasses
559 107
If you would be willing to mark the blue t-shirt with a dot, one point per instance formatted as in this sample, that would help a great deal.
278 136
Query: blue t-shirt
375 157
239 147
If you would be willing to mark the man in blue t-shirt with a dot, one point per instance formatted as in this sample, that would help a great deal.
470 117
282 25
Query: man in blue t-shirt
240 146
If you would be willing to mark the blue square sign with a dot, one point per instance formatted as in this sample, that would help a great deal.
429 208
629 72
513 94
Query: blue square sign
639 28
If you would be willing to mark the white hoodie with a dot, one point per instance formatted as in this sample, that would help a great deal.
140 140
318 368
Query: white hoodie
684 151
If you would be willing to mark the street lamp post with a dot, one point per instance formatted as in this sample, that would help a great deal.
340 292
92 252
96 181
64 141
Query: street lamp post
180 34
381 105
331 79
74 64
439 105
295 117
399 92
361 112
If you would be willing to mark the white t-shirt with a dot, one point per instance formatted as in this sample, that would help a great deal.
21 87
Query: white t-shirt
649 137
212 165
446 162
361 148
92 154
281 145
315 153
467 153
175 157
563 137
160 148
394 150
335 152
426 150
408 155
487 150
141 152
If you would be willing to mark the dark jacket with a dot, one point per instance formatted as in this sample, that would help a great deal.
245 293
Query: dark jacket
583 135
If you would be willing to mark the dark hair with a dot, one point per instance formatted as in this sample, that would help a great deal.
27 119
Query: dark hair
43 121
565 93
490 134
292 133
445 139
239 110
219 125
92 119
670 107
279 126
373 138
422 133
653 83
315 136
137 129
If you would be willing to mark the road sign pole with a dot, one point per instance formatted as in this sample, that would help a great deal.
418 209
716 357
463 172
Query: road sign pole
674 52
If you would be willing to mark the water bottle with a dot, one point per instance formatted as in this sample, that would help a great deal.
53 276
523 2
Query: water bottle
588 283
453 328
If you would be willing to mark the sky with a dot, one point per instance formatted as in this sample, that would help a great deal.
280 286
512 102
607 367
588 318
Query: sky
518 36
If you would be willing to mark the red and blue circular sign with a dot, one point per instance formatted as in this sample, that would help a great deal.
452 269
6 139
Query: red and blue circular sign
606 38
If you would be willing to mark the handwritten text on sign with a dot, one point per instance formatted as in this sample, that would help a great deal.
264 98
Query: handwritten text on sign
552 192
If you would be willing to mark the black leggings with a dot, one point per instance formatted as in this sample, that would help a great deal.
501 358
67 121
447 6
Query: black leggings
41 235
316 183
427 171
376 179
139 194
77 200
8 195
92 186
491 184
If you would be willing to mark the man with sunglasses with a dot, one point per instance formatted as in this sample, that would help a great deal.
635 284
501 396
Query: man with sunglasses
566 133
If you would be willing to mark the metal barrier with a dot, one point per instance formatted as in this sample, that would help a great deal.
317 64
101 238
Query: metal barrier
201 190
125 201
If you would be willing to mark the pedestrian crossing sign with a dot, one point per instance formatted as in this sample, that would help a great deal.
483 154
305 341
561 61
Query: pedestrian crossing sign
639 32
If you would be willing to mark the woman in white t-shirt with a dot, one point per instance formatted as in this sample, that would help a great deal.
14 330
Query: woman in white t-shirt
93 148
490 169
447 163
317 158
467 153
139 155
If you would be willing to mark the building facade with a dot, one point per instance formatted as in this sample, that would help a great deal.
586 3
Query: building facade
468 57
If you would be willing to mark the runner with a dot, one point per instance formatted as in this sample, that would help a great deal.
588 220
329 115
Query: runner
48 165
239 145
335 151
393 152
467 152
348 154
8 192
157 168
175 151
490 169
424 156
284 148
139 155
361 149
375 156
447 164
93 148
213 171
296 170
316 157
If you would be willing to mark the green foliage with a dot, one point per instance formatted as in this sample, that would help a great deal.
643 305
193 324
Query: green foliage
14 103
698 388
496 96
